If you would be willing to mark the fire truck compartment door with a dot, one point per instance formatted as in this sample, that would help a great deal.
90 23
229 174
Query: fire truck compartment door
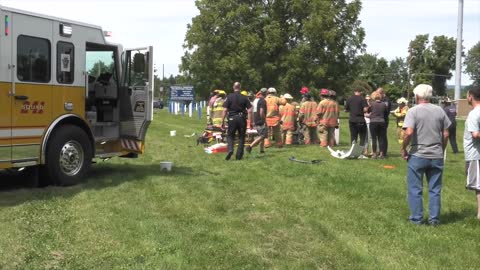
32 104
136 93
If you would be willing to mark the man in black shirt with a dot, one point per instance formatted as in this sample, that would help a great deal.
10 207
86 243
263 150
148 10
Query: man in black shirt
235 107
357 106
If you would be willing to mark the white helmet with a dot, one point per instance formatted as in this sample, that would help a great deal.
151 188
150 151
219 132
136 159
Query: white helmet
272 90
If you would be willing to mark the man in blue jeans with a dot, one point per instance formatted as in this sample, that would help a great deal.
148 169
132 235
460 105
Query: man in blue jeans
426 131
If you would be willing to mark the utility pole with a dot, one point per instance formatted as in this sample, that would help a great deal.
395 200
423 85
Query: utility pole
458 65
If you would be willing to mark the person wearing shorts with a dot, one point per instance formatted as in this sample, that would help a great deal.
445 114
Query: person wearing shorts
259 115
471 144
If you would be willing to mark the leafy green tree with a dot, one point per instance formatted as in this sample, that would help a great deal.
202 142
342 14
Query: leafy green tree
420 71
367 67
432 64
261 43
397 79
359 85
442 61
378 72
472 63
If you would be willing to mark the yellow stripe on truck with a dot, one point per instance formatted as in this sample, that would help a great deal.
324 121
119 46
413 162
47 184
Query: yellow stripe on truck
25 121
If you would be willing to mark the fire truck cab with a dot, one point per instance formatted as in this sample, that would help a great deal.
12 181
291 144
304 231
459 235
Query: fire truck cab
68 96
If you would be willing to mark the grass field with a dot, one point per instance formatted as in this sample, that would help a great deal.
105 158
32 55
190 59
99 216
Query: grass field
261 212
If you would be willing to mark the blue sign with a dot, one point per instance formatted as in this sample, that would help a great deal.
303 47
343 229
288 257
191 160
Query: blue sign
182 93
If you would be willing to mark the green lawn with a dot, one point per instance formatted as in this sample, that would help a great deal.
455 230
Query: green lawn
262 212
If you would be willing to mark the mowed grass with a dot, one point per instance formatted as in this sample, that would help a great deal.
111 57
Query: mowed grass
264 212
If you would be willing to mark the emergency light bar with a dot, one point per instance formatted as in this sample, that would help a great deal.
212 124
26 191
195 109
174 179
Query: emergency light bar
107 33
7 26
66 30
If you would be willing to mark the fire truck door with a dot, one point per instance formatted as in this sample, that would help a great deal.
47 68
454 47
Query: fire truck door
33 76
136 96
6 75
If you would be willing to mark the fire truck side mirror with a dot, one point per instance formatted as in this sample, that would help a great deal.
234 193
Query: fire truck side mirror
139 63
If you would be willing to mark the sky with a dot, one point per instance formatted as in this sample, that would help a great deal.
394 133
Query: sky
389 24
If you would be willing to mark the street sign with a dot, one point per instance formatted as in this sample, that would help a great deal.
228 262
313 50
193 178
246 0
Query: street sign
182 93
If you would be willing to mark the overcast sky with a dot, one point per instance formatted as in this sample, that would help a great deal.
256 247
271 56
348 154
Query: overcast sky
389 24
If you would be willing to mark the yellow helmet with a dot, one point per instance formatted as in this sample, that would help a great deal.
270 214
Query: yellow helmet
244 92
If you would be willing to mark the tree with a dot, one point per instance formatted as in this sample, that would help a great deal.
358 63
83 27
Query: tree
286 44
420 71
398 79
363 86
472 63
378 72
371 69
442 61
432 64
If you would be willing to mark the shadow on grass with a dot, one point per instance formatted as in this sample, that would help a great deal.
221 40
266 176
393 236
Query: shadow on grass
457 216
15 189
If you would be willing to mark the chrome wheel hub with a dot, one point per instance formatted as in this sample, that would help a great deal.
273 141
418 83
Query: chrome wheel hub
71 158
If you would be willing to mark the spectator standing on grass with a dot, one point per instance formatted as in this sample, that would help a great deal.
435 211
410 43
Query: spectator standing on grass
426 131
235 107
378 128
356 105
471 144
259 114
451 111
366 116
387 103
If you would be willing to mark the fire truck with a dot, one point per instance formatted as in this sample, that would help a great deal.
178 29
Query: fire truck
68 97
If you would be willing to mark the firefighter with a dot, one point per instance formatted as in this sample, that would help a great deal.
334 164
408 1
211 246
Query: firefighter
211 101
400 114
327 113
288 120
308 117
273 117
303 92
217 108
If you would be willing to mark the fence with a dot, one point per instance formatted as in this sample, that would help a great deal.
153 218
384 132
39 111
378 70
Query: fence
193 108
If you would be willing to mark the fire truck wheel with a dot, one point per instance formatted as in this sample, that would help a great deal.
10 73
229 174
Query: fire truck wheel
68 156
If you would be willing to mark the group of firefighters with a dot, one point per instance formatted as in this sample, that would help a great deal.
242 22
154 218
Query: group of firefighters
284 116
286 121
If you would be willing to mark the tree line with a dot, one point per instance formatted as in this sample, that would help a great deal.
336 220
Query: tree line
293 43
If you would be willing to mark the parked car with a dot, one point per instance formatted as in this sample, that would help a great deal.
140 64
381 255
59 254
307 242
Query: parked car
158 104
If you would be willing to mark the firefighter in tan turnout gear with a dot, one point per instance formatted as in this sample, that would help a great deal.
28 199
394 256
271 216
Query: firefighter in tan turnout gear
217 109
327 112
288 120
308 117
273 117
